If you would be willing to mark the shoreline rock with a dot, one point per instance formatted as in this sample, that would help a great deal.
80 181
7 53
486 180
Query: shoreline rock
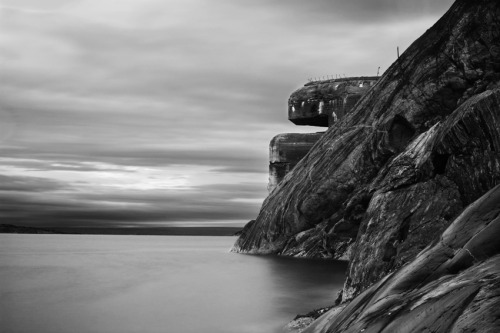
383 182
451 286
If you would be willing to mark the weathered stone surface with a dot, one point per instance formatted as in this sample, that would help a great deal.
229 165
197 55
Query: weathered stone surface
301 322
383 184
298 325
452 286
394 172
415 196
322 103
317 242
285 151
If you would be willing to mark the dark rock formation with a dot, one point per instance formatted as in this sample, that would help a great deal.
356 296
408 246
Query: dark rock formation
285 151
322 103
451 286
419 191
390 176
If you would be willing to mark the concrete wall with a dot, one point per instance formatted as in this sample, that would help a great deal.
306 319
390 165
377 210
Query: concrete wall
285 151
319 103
322 103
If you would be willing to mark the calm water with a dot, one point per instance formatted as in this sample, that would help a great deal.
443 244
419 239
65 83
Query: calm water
169 284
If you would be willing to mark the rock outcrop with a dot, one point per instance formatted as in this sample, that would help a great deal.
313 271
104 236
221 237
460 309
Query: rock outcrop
389 177
452 286
425 186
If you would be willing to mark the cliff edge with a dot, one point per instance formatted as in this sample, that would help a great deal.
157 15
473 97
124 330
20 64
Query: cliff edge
389 177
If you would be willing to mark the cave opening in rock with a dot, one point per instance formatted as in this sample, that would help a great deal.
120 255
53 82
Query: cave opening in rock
439 161
400 132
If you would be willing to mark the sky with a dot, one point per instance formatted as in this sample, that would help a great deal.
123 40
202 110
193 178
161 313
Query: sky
150 113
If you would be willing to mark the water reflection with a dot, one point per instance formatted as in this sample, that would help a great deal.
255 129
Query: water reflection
69 283
302 285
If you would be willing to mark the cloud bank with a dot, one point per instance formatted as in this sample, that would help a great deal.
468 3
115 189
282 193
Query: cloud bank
125 112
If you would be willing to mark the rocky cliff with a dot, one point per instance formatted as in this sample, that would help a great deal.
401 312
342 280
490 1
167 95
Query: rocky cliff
452 286
387 179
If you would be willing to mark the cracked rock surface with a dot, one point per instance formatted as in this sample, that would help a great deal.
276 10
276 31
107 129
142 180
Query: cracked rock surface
384 182
388 178
452 286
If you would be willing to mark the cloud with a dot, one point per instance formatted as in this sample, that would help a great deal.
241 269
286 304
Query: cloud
163 110
213 203
29 184
363 12
67 157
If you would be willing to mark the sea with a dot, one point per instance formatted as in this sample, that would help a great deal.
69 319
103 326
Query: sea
53 283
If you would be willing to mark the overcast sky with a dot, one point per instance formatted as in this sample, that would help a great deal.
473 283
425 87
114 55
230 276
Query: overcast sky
160 112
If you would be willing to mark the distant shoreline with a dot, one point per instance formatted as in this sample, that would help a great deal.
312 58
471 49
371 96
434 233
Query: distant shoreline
158 231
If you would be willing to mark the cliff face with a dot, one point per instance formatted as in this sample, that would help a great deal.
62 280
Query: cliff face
452 286
390 176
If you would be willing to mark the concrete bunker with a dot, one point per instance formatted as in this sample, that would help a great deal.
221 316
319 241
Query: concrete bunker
318 103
